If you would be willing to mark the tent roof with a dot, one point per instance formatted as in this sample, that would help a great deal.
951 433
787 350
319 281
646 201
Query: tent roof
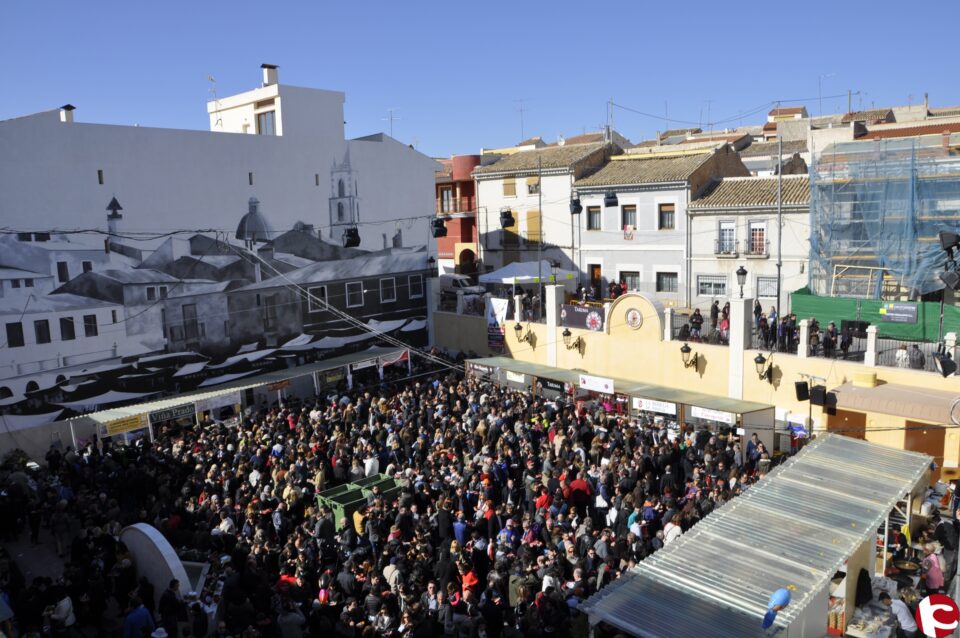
796 527
524 272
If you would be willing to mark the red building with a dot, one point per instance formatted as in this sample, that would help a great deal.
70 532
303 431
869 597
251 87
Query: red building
457 204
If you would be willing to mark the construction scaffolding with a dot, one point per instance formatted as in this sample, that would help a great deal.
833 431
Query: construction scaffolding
876 208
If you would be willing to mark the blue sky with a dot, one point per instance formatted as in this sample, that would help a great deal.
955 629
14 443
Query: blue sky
454 71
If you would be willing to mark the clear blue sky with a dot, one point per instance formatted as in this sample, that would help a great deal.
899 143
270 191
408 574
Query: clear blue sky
455 70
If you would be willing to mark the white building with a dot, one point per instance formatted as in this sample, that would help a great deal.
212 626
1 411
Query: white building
57 173
642 239
734 224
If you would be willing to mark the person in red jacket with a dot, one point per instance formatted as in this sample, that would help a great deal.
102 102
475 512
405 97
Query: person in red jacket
580 493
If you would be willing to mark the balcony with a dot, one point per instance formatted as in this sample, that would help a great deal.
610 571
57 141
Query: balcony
756 249
725 248
455 205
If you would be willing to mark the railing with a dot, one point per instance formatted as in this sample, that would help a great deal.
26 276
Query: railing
463 205
725 248
754 248
911 355
682 330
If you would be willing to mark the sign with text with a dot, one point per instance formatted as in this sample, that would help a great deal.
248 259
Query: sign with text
496 313
582 317
278 385
222 401
360 365
172 414
516 377
126 424
898 313
712 415
651 405
596 384
548 384
476 368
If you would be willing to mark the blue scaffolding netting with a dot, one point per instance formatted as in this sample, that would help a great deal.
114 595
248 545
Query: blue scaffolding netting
876 207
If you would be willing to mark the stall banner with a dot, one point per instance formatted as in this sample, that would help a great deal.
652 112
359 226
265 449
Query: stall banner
596 384
651 405
898 313
476 368
582 317
360 365
222 401
172 414
516 377
496 313
547 384
394 358
126 424
712 415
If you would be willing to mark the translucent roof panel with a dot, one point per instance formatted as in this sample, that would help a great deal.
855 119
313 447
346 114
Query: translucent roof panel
796 527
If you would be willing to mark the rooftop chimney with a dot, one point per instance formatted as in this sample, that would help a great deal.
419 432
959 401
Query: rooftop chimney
66 113
269 74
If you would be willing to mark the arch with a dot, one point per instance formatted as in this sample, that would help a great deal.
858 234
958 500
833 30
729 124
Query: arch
466 262
341 189
651 307
33 386
340 210
5 392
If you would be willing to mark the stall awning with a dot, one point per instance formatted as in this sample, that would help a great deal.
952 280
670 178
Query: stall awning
900 400
626 386
796 527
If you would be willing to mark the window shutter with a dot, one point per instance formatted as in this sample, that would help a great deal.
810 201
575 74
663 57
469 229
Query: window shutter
509 187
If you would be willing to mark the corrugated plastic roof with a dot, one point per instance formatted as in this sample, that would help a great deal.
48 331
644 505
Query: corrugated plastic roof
796 527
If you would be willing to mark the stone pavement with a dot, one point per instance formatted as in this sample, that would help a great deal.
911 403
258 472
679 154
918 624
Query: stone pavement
36 560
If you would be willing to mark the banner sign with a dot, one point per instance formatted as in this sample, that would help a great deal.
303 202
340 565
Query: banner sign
360 365
582 317
651 405
596 384
547 384
172 414
399 357
222 401
126 424
898 313
279 385
712 415
516 377
496 313
480 369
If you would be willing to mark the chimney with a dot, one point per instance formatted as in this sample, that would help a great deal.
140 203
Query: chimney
269 74
926 103
66 113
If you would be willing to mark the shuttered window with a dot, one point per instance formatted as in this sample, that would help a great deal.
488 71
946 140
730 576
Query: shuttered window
509 187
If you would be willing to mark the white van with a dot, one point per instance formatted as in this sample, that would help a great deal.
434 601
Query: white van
455 283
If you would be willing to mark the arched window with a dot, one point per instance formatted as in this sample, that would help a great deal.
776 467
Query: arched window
33 386
340 210
341 191
5 392
61 379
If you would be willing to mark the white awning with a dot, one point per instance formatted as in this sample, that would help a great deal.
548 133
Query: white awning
190 368
339 342
12 422
525 272
298 341
415 324
223 378
247 356
107 398
386 326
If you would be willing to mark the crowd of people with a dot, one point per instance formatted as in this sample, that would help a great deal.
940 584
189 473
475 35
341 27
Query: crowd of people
512 509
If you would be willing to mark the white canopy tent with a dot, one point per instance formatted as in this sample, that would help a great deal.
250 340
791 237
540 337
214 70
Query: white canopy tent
527 272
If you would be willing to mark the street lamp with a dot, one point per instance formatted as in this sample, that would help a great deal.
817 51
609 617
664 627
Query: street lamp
764 372
554 269
688 361
578 344
741 278
523 338
432 266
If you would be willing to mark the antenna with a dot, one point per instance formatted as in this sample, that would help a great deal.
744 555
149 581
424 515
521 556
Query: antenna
521 109
216 101
391 117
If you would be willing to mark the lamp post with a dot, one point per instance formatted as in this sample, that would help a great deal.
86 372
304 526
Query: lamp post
741 278
554 270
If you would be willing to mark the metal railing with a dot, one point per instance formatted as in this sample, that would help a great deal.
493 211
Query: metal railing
753 248
725 248
462 205
682 330
911 355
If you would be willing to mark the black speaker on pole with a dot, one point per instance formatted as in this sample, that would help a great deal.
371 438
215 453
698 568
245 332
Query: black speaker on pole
818 395
803 390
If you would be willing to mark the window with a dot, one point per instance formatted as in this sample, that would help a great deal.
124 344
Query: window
266 123
727 238
341 189
317 299
100 176
354 294
269 315
151 293
90 325
533 185
509 187
666 216
28 283
339 211
113 316
191 330
758 238
534 228
41 237
667 282
15 335
631 278
87 266
388 290
628 217
446 200
593 218
15 283
767 287
415 282
712 285
163 292
41 329
24 237
68 331
250 178
316 179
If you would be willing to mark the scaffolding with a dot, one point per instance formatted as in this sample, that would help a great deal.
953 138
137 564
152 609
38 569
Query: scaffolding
876 209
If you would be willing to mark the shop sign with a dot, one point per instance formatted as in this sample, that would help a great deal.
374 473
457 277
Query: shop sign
712 415
516 377
651 405
279 385
547 384
360 365
230 398
480 369
898 313
172 414
333 376
126 424
596 384
582 317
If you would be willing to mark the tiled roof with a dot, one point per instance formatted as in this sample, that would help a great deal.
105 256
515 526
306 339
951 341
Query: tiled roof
530 141
770 126
586 138
770 148
787 110
674 132
646 169
550 158
912 131
734 192
946 111
716 137
871 115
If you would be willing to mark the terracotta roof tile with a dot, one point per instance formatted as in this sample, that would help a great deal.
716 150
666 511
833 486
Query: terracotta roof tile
551 158
871 115
788 110
737 192
674 132
640 169
770 148
912 131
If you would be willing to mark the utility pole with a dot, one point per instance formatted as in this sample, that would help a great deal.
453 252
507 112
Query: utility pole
391 117
520 108
540 234
849 99
779 218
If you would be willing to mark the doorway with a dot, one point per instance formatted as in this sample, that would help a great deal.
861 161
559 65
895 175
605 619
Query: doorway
928 439
595 274
852 424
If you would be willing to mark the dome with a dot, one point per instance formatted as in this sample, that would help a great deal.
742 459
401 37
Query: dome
253 226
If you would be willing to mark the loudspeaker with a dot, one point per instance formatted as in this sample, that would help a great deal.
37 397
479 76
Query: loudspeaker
818 395
803 390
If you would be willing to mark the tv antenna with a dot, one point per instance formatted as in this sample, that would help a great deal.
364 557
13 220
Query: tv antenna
216 101
391 117
521 109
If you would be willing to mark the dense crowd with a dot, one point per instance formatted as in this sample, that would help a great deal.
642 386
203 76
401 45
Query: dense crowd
513 508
